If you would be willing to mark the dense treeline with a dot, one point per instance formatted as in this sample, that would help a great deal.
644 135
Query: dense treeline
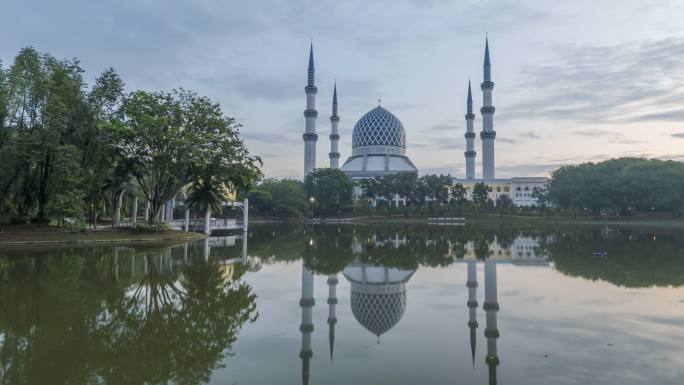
624 186
330 193
67 150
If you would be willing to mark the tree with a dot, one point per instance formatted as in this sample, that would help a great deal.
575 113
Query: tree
406 185
157 145
331 189
370 189
206 195
458 192
287 198
67 197
103 168
481 195
543 197
45 109
621 186
170 139
260 201
504 203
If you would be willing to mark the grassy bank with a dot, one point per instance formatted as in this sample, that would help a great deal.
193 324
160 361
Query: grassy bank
19 235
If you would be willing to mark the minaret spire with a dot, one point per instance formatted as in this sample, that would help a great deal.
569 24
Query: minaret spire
332 319
310 114
334 136
487 63
488 135
470 136
311 63
469 101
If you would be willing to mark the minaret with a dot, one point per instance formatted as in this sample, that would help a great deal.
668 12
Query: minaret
470 137
310 114
488 134
472 305
332 319
334 136
491 307
307 327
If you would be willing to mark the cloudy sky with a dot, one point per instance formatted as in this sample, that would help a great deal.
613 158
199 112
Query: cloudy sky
575 81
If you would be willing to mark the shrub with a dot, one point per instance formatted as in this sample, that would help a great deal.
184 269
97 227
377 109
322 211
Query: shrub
18 220
75 226
40 221
145 228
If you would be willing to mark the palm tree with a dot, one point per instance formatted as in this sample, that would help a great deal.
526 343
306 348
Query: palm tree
206 195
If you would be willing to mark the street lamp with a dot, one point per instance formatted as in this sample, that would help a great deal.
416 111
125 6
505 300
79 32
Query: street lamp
312 203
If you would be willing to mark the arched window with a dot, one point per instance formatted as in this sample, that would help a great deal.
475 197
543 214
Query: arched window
518 188
527 188
498 189
506 189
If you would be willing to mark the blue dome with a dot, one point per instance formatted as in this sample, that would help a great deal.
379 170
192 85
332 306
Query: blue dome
379 127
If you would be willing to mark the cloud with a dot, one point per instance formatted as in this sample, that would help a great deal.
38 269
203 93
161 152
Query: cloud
438 143
270 136
606 83
528 169
442 127
665 116
453 169
531 135
610 136
677 157
506 140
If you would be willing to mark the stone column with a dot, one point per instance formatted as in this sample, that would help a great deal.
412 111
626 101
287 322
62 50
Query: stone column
134 207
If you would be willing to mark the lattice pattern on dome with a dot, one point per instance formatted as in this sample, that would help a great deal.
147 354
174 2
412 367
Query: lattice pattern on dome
379 127
378 313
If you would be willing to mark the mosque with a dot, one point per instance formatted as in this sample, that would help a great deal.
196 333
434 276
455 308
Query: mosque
379 143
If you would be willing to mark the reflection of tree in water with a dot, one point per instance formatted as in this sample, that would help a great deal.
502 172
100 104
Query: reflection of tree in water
277 242
327 249
636 258
63 324
636 262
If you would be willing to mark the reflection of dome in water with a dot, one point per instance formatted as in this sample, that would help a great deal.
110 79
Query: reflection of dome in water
378 295
378 313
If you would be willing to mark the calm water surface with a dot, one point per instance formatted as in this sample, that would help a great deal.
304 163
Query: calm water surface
351 305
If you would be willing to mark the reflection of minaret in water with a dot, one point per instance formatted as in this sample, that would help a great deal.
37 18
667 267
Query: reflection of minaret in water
332 319
472 305
491 307
306 328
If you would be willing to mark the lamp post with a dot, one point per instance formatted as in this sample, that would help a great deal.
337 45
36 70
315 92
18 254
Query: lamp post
312 207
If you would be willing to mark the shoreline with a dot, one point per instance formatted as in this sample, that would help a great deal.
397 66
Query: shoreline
125 236
94 237
490 219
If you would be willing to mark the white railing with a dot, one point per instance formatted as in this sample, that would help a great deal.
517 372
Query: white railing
198 224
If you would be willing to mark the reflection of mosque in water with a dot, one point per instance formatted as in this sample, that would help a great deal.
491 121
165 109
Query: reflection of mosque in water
378 295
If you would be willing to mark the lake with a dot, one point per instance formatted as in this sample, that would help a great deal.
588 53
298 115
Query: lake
351 304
